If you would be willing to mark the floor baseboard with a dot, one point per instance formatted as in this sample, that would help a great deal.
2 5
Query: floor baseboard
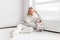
8 27
51 31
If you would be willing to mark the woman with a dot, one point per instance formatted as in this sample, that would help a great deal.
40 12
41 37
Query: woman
32 18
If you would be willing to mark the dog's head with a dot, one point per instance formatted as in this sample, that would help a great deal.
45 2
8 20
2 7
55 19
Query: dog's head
38 21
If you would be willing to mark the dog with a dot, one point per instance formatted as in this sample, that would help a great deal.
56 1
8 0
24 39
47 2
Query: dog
39 25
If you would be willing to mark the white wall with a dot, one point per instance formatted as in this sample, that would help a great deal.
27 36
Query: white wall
49 11
11 12
26 6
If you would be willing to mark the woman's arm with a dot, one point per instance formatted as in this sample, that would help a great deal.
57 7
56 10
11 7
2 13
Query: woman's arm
38 14
35 11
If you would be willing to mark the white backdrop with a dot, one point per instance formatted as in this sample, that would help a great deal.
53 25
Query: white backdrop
48 9
11 12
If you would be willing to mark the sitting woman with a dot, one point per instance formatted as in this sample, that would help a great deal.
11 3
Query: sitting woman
32 19
32 22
